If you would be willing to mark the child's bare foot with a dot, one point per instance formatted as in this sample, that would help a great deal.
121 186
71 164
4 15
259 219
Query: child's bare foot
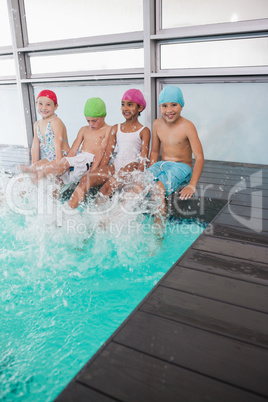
25 169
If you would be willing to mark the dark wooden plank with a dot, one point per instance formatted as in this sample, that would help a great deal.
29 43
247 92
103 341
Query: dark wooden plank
246 200
234 173
255 223
204 209
217 188
210 174
129 375
225 192
232 248
76 392
233 181
225 265
221 318
232 362
249 211
210 191
257 219
223 166
227 290
239 232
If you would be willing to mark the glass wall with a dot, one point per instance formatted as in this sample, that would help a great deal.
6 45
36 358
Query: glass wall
195 12
214 54
218 54
11 132
231 119
5 37
68 19
7 67
76 62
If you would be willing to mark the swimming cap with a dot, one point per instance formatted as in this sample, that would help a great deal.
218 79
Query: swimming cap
171 94
48 94
135 96
95 107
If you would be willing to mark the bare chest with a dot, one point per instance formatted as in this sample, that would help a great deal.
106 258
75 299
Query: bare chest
173 138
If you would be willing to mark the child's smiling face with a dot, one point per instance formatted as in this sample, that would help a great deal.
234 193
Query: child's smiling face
45 107
130 109
170 111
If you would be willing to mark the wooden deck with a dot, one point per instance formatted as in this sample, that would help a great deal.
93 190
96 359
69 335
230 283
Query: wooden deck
201 334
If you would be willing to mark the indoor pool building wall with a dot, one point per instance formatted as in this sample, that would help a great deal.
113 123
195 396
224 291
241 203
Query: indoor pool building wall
168 348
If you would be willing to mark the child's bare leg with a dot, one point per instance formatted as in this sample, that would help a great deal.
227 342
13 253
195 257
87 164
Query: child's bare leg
32 168
54 168
106 190
91 179
160 216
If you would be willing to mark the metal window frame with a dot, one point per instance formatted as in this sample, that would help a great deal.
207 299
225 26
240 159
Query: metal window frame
150 39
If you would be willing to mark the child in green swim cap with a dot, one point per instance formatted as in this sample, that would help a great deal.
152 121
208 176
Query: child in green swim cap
87 150
132 140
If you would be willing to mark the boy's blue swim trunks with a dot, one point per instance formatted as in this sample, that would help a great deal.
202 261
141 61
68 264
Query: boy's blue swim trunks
171 174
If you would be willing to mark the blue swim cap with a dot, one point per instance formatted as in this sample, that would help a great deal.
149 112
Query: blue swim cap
171 94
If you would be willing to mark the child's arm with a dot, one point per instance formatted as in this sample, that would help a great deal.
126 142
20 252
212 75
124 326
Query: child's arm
197 150
77 142
99 155
35 146
58 129
110 146
155 145
145 138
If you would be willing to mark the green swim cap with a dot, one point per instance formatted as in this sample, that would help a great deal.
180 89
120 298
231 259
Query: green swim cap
95 107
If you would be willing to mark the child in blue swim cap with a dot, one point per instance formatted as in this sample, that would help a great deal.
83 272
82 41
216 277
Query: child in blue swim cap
178 140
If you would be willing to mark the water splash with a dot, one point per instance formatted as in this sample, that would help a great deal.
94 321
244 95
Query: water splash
65 288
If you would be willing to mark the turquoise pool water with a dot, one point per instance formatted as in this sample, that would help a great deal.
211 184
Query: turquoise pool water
66 288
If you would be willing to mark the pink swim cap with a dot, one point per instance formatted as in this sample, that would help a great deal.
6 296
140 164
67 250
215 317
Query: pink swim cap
49 94
135 96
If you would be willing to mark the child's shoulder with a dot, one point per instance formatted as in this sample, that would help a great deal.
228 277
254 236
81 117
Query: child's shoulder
56 120
114 128
158 121
107 127
187 123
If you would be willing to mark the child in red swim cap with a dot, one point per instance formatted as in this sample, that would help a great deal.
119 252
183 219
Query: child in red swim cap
50 141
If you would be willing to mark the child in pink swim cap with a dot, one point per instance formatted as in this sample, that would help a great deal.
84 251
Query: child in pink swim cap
136 96
132 140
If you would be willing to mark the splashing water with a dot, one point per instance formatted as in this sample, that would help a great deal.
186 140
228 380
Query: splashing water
67 281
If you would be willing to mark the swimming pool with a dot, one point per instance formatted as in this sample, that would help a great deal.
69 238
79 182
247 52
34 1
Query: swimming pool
64 290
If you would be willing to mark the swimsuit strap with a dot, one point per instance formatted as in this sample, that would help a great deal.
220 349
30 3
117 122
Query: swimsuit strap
47 128
131 132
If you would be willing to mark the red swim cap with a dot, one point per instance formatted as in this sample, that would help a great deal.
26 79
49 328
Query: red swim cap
135 96
49 94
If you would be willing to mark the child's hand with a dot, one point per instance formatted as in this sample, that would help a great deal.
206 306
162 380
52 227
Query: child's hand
187 192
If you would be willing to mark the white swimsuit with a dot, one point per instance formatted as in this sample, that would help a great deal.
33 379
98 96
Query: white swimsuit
79 165
129 148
